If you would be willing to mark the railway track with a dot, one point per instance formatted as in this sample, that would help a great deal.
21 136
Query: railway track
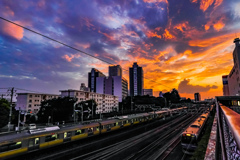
93 143
118 150
162 146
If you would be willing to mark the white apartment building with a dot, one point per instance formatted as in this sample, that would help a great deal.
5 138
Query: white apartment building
31 102
105 103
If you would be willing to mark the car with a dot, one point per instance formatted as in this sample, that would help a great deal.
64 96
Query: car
32 126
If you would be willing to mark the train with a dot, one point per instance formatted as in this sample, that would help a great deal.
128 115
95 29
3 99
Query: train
193 133
12 145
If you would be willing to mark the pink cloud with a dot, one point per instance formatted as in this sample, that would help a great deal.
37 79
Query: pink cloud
13 30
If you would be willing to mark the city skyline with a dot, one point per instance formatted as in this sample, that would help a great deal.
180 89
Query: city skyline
186 45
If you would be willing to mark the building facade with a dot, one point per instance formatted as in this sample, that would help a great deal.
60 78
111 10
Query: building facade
234 75
225 85
197 97
92 78
115 70
115 84
84 88
31 102
105 103
136 80
148 92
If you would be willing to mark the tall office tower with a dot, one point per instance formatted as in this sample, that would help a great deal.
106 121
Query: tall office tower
197 97
92 78
115 84
225 85
136 80
115 70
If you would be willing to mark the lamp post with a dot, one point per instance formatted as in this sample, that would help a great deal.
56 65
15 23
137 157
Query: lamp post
49 117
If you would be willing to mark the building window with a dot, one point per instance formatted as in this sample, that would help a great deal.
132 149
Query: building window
29 105
30 101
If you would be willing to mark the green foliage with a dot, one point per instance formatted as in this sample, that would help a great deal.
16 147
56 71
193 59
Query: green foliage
60 109
4 112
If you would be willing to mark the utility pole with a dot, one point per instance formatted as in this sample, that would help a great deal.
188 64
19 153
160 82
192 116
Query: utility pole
82 112
10 114
131 104
92 106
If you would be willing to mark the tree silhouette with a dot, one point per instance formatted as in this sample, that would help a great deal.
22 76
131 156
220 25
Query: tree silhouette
4 112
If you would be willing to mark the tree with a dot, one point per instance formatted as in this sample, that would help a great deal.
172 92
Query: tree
55 110
168 97
4 112
89 107
175 98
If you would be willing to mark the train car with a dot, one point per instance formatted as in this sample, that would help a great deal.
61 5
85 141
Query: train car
111 125
191 136
28 141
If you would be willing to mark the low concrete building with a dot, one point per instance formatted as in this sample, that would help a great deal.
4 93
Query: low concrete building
105 102
148 92
31 102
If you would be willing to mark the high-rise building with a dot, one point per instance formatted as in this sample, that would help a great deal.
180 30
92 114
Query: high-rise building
136 80
234 75
197 97
92 78
225 85
115 70
115 84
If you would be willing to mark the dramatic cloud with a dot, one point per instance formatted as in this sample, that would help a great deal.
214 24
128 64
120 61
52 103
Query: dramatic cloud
173 41
185 87
12 30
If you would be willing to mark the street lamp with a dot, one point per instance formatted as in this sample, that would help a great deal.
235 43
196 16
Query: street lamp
49 117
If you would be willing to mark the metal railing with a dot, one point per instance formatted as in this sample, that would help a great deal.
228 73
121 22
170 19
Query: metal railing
229 132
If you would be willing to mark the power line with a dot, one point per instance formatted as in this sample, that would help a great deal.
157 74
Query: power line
69 46
29 90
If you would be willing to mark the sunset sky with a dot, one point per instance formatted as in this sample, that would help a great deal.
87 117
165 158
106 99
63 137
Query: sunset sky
182 44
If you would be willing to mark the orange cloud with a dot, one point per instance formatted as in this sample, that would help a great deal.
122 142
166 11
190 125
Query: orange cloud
155 1
13 30
204 4
206 27
218 26
69 58
107 35
83 45
194 1
202 68
182 26
153 34
210 41
168 35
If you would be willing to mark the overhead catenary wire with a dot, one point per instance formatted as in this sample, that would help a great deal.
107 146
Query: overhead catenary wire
70 46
